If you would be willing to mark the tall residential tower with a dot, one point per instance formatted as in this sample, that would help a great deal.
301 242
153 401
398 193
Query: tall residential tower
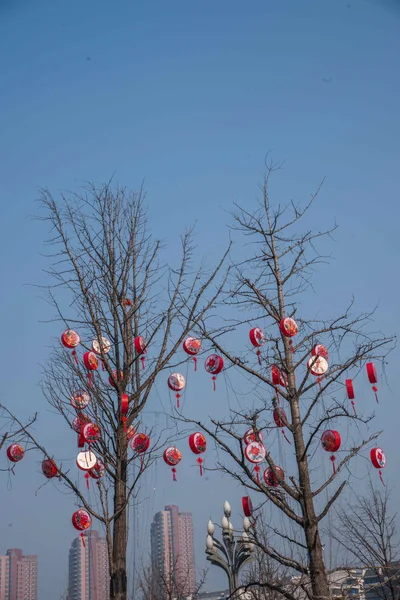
88 568
18 576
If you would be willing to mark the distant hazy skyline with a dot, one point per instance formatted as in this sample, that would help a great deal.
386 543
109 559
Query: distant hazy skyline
189 96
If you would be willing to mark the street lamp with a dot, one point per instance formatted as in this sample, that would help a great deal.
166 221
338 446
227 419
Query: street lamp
233 553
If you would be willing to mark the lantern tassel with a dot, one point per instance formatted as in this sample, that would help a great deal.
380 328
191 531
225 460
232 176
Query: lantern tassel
195 362
75 357
285 436
87 480
375 390
142 358
200 463
381 477
214 378
83 539
173 474
90 379
178 404
257 471
259 356
354 408
333 459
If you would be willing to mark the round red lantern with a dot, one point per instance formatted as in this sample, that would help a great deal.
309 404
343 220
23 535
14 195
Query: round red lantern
70 339
176 382
141 348
140 442
351 394
105 343
192 346
289 329
214 365
378 460
372 378
15 453
115 375
49 468
91 433
79 421
331 441
80 399
247 506
320 350
273 479
86 460
252 436
280 419
318 365
98 470
257 339
91 362
255 452
198 445
81 519
172 457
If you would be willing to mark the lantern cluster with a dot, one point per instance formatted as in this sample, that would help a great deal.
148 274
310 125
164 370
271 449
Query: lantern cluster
197 444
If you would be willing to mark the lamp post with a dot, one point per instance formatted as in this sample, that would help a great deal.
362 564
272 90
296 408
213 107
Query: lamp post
232 553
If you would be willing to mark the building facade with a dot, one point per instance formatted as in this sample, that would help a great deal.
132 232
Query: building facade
18 576
172 551
88 576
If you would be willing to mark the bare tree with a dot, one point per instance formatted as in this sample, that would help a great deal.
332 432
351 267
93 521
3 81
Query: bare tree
109 283
268 284
172 583
367 531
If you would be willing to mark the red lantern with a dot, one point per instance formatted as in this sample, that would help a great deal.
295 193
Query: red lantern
289 329
192 346
105 343
198 445
373 378
141 348
15 453
278 378
124 409
86 460
79 421
81 520
91 362
115 375
70 339
49 468
98 470
320 350
252 436
140 442
172 457
247 506
331 441
255 453
280 417
91 433
257 338
81 440
350 393
126 303
176 383
80 399
318 366
214 365
378 460
273 479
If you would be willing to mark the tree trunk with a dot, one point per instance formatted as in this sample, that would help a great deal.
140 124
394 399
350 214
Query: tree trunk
118 578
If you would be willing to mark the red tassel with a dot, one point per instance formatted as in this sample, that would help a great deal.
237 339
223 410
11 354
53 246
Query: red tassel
285 436
90 379
381 478
257 470
291 346
195 362
124 422
259 356
375 389
354 408
87 480
142 358
214 378
178 404
333 458
75 357
200 463
83 539
102 366
173 474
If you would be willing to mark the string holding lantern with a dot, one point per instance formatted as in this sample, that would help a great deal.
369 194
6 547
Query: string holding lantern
192 346
198 445
318 366
176 383
351 394
80 399
257 338
274 478
255 453
124 409
320 350
172 457
373 378
70 339
247 506
140 443
378 460
331 441
15 453
141 348
101 344
91 363
49 468
252 436
81 520
214 365
289 329
116 377
280 417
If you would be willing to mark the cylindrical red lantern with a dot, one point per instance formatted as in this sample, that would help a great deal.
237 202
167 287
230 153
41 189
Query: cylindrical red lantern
257 339
198 445
49 468
192 346
351 394
273 479
172 457
86 460
176 383
15 453
280 419
378 460
80 399
140 347
105 343
320 350
124 408
373 378
91 433
214 365
331 441
247 506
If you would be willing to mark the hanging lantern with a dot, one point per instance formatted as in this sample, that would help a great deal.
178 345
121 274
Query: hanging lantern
124 409
318 366
81 440
91 363
252 436
80 399
91 433
141 348
273 479
105 343
70 339
280 419
176 383
126 303
79 421
378 460
247 506
257 338
214 365
331 441
49 468
15 453
172 457
98 470
198 445
278 378
86 460
320 350
192 346
350 394
115 375
81 520
255 453
373 378
289 329
140 442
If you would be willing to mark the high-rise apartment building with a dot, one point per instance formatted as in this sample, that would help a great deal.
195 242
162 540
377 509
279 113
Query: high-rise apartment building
89 577
18 576
172 551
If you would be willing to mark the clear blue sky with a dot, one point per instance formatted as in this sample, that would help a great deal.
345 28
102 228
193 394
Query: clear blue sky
190 96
